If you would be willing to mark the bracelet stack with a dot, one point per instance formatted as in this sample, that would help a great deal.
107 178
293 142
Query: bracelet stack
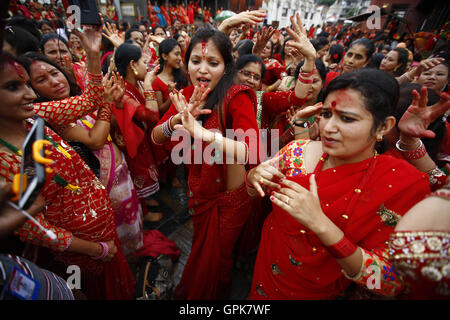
343 249
304 77
105 113
95 78
104 253
150 95
166 129
418 153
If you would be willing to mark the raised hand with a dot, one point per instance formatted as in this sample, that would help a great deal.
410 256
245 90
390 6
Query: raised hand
300 38
419 116
428 64
198 100
262 39
114 87
91 38
112 34
309 111
245 17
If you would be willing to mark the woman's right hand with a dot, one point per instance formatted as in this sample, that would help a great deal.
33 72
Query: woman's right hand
300 38
245 17
428 64
112 34
112 250
150 78
262 39
264 175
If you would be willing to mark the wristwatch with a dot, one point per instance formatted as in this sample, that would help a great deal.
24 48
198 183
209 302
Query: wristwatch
303 124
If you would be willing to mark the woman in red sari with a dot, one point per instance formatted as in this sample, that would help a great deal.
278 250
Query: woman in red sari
134 121
78 209
218 203
335 201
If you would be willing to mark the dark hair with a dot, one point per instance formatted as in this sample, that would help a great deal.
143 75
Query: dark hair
369 46
49 36
158 26
21 40
166 46
129 31
271 50
379 89
375 61
31 57
433 145
246 59
336 53
29 25
126 53
402 59
47 22
223 44
244 47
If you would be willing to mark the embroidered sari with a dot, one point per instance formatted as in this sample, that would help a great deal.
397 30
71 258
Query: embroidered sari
124 200
218 214
365 200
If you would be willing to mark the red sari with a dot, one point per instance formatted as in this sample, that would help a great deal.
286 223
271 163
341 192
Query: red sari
365 200
274 69
217 214
134 122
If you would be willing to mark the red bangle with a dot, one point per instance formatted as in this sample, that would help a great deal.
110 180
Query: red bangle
303 80
343 249
95 78
307 75
150 95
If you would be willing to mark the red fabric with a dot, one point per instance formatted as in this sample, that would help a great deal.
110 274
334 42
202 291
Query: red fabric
190 13
218 215
155 243
330 76
159 85
287 266
88 215
135 121
274 69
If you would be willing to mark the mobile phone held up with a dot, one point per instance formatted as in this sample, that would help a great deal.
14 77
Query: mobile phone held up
33 170
89 11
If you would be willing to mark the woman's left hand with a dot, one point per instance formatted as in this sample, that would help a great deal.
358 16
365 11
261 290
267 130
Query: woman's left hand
300 37
300 203
114 88
188 121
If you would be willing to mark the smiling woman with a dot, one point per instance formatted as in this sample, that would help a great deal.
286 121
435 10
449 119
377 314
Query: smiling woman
218 204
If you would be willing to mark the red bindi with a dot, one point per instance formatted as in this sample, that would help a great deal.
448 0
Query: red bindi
19 70
333 105
204 48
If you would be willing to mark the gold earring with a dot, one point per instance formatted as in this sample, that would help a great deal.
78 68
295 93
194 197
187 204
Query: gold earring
379 138
134 71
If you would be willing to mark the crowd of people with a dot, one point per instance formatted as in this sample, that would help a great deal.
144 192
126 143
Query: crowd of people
342 169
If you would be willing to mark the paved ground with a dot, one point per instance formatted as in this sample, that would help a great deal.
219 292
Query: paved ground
176 225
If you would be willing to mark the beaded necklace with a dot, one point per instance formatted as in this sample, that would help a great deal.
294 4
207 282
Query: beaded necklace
57 178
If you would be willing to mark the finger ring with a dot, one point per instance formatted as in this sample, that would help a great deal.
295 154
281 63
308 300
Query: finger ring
261 180
287 201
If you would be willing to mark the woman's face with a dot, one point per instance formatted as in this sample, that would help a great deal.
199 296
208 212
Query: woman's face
160 33
206 65
355 58
344 113
314 91
436 78
74 41
181 41
250 75
138 37
174 58
323 51
48 81
389 62
57 51
266 51
47 29
16 94
141 67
